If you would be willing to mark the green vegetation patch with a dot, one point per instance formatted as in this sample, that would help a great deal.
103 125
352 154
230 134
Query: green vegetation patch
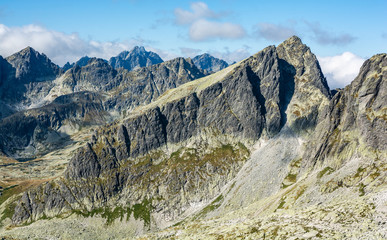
325 171
361 189
143 211
359 172
289 180
282 203
140 211
8 212
211 207
8 192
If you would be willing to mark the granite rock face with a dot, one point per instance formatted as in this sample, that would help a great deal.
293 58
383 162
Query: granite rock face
32 66
355 115
22 74
209 63
128 160
30 133
140 87
81 87
81 62
309 84
257 145
136 58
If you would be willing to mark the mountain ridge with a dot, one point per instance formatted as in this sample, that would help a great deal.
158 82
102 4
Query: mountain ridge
261 142
209 63
135 58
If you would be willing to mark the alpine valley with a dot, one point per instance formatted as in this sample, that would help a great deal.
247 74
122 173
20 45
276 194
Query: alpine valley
138 148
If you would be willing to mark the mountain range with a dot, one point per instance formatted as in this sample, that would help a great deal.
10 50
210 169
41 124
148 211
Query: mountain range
136 147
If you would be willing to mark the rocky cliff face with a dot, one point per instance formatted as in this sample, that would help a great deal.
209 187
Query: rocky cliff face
32 66
96 76
81 62
22 73
34 132
356 116
136 58
127 90
261 144
209 63
231 109
329 183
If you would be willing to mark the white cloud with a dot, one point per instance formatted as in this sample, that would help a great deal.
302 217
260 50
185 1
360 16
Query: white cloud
274 32
190 52
232 56
165 55
340 70
202 30
328 38
58 46
199 10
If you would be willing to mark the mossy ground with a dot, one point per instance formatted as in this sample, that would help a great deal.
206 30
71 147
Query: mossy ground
211 207
140 211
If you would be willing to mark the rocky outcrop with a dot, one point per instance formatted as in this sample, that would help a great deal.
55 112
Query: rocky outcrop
135 88
311 91
136 58
23 74
355 116
83 61
34 132
31 66
141 86
325 184
209 63
205 124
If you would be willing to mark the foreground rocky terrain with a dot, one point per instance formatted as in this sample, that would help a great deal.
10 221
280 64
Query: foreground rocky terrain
260 149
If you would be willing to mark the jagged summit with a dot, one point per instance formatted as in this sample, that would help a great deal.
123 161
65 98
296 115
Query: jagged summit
32 66
139 49
137 57
295 40
259 149
81 62
209 63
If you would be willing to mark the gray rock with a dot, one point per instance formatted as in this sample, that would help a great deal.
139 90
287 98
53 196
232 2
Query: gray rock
31 66
24 74
209 63
247 103
83 61
357 111
136 58
39 128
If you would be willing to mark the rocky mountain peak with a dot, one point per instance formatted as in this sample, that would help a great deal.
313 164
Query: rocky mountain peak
207 62
372 70
139 49
262 139
31 66
293 40
311 91
81 63
136 58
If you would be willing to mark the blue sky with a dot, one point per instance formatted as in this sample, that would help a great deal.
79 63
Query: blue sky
341 33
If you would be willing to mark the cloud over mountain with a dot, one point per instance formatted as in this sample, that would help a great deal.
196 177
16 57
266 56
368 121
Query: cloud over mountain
273 32
202 29
325 37
340 70
58 46
200 10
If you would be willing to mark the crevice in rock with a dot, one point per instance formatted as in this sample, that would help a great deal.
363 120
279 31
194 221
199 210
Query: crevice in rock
286 87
